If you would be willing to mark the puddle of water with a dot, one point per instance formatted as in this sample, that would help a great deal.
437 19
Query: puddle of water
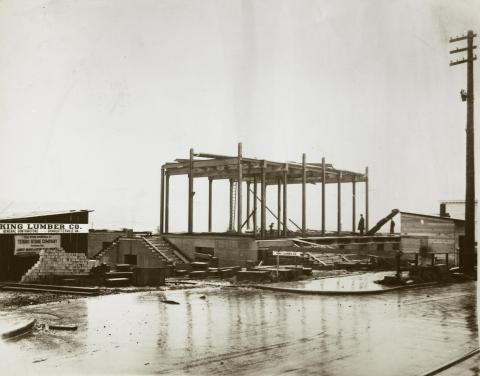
243 331
357 282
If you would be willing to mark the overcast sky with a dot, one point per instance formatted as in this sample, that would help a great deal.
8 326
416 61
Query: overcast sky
96 95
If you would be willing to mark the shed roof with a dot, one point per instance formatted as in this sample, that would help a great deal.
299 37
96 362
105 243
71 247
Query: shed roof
35 214
433 216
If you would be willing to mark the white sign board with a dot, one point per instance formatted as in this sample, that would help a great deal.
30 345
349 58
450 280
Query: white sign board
286 253
26 245
43 228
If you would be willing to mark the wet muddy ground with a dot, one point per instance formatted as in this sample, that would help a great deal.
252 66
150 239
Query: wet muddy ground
244 331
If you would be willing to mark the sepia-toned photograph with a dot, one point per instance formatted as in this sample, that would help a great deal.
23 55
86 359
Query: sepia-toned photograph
239 187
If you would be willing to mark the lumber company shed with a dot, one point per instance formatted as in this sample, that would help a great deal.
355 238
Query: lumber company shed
22 237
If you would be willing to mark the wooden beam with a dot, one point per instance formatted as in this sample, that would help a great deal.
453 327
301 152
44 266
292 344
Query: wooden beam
248 205
339 204
354 205
263 203
167 201
285 178
230 220
255 206
209 204
304 194
239 190
366 199
279 207
162 200
190 194
323 196
208 155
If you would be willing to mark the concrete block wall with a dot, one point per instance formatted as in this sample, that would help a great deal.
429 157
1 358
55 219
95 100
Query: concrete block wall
56 261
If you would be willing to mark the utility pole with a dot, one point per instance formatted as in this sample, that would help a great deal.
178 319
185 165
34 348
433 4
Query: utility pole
468 96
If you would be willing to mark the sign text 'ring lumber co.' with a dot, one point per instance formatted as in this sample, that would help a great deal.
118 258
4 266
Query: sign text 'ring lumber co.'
43 228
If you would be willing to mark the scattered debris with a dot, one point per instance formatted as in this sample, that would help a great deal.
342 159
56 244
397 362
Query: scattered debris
39 360
166 301
63 326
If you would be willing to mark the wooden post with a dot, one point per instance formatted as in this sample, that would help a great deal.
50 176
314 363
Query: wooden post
190 193
324 176
167 201
210 204
354 205
248 205
467 251
339 203
162 200
285 184
279 207
255 206
230 223
263 201
239 190
366 199
446 259
304 194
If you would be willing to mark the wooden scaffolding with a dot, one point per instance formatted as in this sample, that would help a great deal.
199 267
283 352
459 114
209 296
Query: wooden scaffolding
258 172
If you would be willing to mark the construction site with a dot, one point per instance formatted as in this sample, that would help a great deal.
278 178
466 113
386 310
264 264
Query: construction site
147 238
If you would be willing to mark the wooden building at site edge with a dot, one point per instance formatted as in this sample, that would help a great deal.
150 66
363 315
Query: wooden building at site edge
23 236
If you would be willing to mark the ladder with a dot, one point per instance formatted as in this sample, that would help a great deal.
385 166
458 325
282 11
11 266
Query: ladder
233 204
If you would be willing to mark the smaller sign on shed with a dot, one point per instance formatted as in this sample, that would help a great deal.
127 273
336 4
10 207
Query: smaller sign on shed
286 253
28 245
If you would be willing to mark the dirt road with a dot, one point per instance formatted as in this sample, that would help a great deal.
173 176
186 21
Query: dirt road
241 331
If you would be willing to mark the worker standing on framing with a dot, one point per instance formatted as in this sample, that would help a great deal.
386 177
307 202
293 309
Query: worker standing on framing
361 225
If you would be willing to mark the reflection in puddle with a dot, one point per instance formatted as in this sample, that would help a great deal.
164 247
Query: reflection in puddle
242 331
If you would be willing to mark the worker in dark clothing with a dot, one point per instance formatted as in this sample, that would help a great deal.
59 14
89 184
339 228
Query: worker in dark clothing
392 227
271 229
398 256
361 225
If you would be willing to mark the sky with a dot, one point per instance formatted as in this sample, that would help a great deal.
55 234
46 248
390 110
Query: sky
96 95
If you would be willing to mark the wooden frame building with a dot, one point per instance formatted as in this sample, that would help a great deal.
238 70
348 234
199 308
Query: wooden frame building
255 175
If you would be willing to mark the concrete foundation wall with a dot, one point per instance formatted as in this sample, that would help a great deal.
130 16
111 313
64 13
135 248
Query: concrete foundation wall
96 240
231 251
133 246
